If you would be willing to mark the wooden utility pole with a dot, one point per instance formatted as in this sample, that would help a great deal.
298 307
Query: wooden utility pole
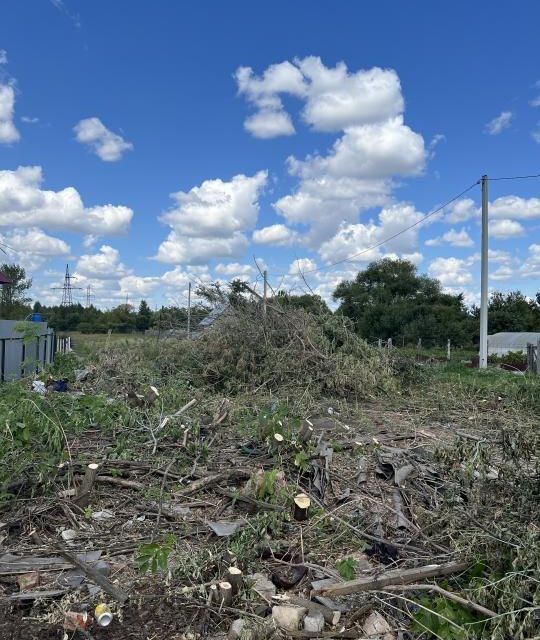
482 364
189 311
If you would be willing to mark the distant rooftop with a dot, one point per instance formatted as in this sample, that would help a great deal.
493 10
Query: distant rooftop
513 339
4 279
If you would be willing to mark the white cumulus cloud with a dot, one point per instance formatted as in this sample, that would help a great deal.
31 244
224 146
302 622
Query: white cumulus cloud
506 229
33 247
8 131
451 272
374 147
531 267
210 220
515 207
459 238
106 145
23 203
335 98
352 239
235 270
275 234
500 123
105 264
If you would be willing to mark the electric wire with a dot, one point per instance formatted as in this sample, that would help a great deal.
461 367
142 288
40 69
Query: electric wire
389 238
536 175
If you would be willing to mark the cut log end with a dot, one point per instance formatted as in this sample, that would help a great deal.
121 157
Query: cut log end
301 506
88 481
226 593
236 579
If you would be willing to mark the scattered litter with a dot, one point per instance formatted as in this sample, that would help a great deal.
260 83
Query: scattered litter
74 620
58 385
69 535
105 514
103 615
39 387
225 528
81 375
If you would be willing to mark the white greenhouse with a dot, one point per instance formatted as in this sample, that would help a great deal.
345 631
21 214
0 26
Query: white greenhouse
505 341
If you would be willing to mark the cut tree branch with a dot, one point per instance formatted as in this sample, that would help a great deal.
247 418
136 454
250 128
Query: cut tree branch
394 577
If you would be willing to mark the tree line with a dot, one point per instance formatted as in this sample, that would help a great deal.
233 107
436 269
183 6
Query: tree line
388 299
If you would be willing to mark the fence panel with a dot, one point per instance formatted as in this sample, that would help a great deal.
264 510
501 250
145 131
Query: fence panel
20 357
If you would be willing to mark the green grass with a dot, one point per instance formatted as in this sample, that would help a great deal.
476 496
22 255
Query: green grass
489 383
82 343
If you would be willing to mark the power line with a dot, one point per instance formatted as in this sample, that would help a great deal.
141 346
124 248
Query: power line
536 175
389 238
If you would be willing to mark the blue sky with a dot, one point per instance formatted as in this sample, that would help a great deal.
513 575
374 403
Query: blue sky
300 133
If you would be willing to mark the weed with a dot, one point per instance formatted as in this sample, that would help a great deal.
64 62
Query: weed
154 556
347 568
443 618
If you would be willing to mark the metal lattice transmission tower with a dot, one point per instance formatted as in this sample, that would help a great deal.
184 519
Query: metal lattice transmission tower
89 295
67 289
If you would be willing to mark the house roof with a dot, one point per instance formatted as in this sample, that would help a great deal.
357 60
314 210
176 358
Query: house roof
4 279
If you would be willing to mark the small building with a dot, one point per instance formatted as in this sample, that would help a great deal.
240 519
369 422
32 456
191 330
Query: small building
4 279
501 343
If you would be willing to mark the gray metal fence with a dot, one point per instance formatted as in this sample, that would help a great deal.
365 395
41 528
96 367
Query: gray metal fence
24 355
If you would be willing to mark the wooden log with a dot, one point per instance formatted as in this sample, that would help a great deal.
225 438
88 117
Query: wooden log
396 576
95 576
236 579
207 481
128 484
213 594
83 495
226 593
301 506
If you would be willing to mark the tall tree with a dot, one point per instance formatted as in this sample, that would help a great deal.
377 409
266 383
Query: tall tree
144 317
14 301
390 299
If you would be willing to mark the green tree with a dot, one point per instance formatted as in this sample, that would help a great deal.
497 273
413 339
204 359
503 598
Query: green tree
144 317
390 299
512 311
14 301
309 302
